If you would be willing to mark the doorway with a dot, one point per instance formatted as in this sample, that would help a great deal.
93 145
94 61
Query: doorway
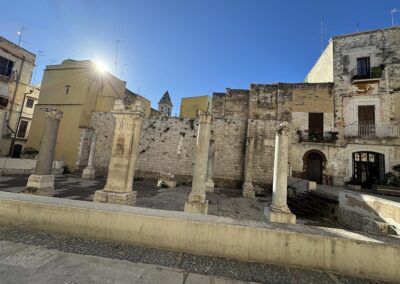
16 152
368 168
366 120
313 165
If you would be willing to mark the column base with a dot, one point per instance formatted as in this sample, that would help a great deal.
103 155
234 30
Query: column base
122 198
40 184
248 190
274 215
196 207
210 185
89 173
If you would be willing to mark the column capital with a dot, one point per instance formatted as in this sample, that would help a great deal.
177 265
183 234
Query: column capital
135 109
52 112
283 128
205 117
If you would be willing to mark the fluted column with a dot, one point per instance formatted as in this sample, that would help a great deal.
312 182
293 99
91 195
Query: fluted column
118 189
197 202
279 211
42 181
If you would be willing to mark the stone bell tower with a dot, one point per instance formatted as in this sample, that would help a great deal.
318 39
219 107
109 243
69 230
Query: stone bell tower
165 105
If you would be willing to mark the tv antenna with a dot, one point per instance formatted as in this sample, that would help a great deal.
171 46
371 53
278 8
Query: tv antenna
117 42
19 33
392 12
40 53
322 33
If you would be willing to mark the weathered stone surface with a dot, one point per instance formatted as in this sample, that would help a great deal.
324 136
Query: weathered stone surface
198 193
124 154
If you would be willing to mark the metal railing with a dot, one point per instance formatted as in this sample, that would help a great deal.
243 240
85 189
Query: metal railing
379 130
309 136
371 73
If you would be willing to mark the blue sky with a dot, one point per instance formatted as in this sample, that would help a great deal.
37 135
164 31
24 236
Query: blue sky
190 47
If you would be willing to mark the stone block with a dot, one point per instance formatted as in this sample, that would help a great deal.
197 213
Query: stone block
275 216
122 198
40 184
312 185
89 173
209 186
166 183
196 207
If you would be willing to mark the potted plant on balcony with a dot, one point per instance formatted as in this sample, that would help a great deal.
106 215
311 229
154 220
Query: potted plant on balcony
390 184
300 135
29 153
333 136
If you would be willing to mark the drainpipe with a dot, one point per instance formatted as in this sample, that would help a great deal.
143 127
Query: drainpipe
13 99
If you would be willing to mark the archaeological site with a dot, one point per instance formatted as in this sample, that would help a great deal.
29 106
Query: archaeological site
273 183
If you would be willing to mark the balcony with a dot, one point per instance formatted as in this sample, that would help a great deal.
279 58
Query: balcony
317 137
373 73
378 130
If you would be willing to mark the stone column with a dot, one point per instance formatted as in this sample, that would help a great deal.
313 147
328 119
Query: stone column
210 168
197 202
42 181
89 172
248 189
128 123
279 211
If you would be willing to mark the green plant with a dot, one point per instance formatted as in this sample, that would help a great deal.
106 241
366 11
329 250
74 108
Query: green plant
30 151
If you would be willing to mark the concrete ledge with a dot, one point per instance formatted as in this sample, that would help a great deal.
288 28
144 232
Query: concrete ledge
312 247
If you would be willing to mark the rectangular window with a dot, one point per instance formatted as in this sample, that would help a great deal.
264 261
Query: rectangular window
6 67
29 103
23 126
363 68
366 120
315 126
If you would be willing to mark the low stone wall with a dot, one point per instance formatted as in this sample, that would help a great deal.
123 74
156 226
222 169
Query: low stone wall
25 166
313 247
368 213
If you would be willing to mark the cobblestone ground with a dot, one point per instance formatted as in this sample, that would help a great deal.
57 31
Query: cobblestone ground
36 257
223 202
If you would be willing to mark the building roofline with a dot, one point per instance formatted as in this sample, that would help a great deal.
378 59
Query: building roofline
17 46
366 32
195 97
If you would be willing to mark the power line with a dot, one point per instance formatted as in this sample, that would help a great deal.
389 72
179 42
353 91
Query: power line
322 33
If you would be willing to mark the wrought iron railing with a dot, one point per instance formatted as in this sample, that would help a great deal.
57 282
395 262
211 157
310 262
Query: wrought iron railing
317 137
379 130
371 73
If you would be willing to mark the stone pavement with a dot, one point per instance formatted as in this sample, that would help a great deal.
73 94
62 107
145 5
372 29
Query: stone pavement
32 257
225 202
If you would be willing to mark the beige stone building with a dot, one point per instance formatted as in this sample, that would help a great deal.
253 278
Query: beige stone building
365 71
191 106
77 88
18 96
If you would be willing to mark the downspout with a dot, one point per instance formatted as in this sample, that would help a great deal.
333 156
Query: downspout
13 99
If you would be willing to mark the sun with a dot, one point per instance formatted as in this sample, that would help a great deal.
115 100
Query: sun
100 66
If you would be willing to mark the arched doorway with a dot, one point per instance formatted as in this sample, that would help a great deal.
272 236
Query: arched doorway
313 164
368 168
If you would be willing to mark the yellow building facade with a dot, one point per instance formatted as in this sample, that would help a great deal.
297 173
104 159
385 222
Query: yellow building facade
191 106
77 88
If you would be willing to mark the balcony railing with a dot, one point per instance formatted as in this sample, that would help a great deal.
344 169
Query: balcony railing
378 130
317 137
370 73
